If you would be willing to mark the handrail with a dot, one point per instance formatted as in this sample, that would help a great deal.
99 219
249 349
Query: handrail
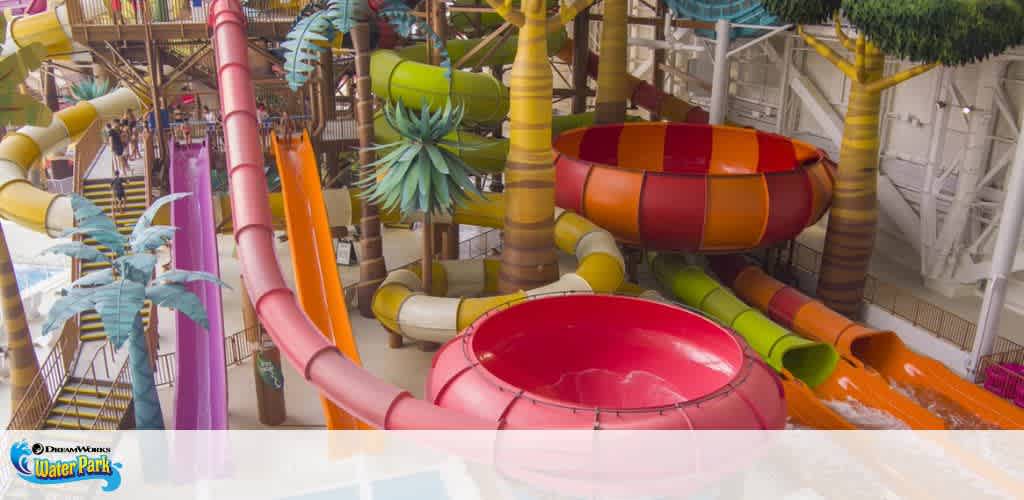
44 388
110 413
87 378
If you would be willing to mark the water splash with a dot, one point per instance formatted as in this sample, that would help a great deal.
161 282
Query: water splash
865 417
955 416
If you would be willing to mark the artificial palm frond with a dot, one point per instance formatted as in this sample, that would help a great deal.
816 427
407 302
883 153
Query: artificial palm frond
418 174
89 89
318 24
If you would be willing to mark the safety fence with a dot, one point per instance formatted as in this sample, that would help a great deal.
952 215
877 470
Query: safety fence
136 12
238 347
1003 374
921 313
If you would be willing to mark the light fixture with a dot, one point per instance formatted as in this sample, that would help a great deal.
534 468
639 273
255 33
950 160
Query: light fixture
967 110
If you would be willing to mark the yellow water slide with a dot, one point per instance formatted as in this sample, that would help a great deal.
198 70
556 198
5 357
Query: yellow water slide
28 205
50 28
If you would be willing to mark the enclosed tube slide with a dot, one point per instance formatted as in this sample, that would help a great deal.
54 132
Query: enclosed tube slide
364 396
401 305
841 382
22 202
200 394
809 361
50 28
880 351
687 187
313 260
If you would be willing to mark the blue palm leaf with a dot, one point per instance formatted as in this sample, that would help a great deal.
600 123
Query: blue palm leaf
175 296
152 238
75 301
136 267
304 44
118 305
95 278
147 217
179 276
77 250
107 237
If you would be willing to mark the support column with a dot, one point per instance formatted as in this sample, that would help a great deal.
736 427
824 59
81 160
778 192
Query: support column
267 373
720 77
50 88
580 59
448 233
155 81
658 74
1007 242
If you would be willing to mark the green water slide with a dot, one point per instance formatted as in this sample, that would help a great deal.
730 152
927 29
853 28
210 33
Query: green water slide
812 362
404 75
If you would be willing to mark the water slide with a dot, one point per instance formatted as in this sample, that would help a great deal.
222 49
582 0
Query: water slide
878 351
35 208
838 381
313 259
200 394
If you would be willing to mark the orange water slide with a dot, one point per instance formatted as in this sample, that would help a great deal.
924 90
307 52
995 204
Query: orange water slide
313 260
882 352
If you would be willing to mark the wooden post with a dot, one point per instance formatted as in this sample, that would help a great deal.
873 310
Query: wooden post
329 107
155 82
439 23
450 242
50 88
658 74
580 58
269 384
250 321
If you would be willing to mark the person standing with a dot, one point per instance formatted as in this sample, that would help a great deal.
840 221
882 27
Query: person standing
116 148
120 197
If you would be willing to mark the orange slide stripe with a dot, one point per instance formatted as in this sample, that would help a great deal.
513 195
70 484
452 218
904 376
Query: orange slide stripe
733 151
737 212
612 201
569 142
640 148
316 270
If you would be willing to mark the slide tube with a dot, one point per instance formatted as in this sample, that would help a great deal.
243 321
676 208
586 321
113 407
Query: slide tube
313 259
200 393
363 395
50 28
28 205
812 362
402 307
882 351
803 406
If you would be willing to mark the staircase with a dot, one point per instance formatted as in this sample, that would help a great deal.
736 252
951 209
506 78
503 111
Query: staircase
93 392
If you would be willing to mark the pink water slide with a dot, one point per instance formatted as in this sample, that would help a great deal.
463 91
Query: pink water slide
200 395
640 365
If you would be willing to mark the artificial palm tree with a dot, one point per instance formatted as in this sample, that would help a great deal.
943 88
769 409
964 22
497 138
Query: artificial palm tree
320 22
90 88
528 259
950 32
419 174
119 293
17 108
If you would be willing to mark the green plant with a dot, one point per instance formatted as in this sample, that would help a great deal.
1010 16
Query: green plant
932 32
119 293
320 21
89 89
419 173
17 108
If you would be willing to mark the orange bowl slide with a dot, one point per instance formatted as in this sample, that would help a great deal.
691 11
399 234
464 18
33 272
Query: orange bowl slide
689 187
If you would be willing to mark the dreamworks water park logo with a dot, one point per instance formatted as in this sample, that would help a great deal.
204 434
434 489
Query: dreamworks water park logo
69 464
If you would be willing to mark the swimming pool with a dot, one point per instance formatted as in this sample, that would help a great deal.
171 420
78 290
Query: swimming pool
29 276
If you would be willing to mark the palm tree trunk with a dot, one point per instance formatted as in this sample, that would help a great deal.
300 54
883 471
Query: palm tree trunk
372 269
148 415
611 73
528 259
22 356
850 238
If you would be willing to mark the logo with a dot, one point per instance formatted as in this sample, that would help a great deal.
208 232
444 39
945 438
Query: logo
81 463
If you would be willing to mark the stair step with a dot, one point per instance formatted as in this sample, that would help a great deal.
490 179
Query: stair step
96 182
92 316
76 413
64 423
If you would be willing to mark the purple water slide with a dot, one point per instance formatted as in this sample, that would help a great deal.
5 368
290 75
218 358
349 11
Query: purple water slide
200 396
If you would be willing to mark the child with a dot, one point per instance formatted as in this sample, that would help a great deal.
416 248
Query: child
116 147
117 185
286 128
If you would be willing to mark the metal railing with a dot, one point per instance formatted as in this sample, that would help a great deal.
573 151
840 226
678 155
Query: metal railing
137 12
1002 374
921 313
44 388
117 402
95 378
237 348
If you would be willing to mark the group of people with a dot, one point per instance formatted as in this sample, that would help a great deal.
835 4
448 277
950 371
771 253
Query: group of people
183 123
284 128
123 137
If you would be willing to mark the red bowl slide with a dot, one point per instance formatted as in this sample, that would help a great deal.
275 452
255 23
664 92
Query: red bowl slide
688 187
601 361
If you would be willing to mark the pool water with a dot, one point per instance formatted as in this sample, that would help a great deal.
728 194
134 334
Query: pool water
29 276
